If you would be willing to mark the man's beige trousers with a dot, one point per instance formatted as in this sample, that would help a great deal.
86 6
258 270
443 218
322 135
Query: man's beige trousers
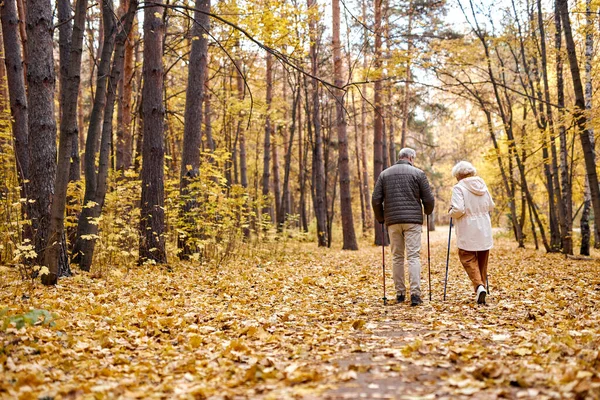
406 239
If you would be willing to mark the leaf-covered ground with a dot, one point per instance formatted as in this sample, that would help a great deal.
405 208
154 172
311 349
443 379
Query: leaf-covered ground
297 321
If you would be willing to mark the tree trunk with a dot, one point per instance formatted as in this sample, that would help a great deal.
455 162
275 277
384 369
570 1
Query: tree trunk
363 130
550 165
266 178
567 227
276 182
94 210
589 55
349 236
86 224
318 167
41 122
192 130
18 99
378 117
55 256
124 132
207 121
241 130
23 34
288 155
152 220
406 95
579 115
363 205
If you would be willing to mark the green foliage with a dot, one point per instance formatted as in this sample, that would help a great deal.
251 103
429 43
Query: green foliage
31 318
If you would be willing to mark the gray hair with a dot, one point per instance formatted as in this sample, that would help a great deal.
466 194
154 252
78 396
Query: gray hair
464 169
407 153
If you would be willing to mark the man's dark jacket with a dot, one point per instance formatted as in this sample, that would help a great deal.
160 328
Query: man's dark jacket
398 194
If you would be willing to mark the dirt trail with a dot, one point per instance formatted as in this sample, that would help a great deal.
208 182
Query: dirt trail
511 348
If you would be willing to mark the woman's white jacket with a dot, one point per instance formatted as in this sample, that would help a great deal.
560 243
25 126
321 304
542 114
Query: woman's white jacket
470 210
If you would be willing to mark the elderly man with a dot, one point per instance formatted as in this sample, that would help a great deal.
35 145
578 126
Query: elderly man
400 194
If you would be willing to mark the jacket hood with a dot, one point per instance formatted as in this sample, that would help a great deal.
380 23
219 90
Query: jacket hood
475 185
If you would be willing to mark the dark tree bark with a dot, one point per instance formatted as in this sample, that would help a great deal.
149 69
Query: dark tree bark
565 184
94 210
579 115
363 130
41 122
192 130
349 236
288 155
86 223
266 177
276 181
55 257
124 132
363 206
17 95
207 121
378 153
318 163
241 130
406 93
23 35
152 221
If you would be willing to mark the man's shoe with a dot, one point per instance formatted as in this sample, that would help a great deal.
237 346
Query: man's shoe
400 298
415 300
481 293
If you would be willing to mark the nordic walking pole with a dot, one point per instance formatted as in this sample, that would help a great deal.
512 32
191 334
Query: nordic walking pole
383 260
447 258
428 258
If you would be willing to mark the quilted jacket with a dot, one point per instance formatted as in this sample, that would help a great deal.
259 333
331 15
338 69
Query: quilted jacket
399 192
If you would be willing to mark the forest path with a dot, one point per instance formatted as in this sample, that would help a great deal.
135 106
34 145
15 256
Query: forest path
537 337
290 320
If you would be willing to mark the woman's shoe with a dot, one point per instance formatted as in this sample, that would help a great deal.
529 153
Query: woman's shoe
481 293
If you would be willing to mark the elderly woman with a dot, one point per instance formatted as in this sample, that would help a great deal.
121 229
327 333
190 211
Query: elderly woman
470 208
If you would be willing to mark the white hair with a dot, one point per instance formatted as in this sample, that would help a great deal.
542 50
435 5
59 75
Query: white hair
463 168
407 153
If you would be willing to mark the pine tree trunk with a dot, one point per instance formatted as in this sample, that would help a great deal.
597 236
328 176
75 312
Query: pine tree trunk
318 163
363 131
23 34
86 224
288 156
241 130
276 181
378 116
363 205
266 178
152 220
349 236
207 121
192 133
124 132
579 115
41 122
86 248
406 93
55 256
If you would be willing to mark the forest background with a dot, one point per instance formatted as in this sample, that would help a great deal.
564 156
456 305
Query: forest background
144 132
